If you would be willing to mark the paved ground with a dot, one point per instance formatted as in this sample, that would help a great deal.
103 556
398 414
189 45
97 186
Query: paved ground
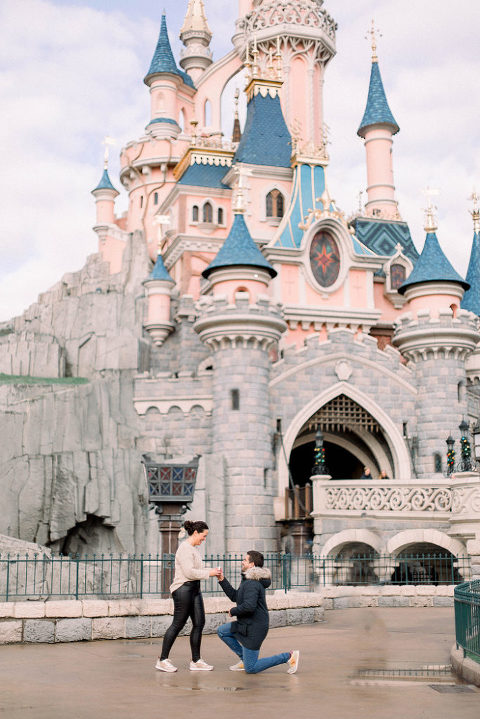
116 679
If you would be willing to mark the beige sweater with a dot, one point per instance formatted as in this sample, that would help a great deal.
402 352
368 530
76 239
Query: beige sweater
188 566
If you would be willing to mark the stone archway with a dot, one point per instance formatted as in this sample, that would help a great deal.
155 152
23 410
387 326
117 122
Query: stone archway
400 460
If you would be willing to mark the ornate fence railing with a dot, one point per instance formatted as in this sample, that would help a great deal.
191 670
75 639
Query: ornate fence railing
43 576
467 618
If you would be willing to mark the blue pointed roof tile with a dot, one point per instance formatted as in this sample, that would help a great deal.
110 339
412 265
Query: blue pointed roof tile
163 59
377 111
432 266
471 298
239 249
105 183
159 271
266 139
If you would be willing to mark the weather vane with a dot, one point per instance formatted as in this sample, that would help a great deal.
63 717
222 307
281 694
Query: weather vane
475 213
374 33
430 219
108 142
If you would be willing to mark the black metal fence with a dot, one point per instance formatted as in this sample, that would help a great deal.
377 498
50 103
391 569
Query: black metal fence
467 618
110 576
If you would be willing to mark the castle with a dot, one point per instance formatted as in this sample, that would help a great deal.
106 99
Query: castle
234 319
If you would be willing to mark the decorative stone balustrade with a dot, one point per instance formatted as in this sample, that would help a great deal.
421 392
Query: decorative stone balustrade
455 499
286 12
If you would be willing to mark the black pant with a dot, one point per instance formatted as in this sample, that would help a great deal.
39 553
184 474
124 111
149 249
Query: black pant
187 602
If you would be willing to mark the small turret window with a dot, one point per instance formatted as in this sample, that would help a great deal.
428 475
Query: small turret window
274 204
235 398
208 113
155 198
141 200
220 216
437 463
195 213
207 212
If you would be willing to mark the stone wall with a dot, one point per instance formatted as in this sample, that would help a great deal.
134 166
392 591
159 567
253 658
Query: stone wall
85 620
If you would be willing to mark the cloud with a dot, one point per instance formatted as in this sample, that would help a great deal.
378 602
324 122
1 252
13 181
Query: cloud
73 73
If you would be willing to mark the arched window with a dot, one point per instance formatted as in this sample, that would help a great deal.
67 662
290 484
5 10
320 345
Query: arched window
155 198
181 120
397 276
195 213
141 200
208 113
274 204
220 216
207 212
437 462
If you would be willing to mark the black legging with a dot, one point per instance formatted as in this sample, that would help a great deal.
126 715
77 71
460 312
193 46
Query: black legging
187 602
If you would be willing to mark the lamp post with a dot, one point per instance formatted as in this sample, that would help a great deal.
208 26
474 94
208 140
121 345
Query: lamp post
450 454
465 446
319 465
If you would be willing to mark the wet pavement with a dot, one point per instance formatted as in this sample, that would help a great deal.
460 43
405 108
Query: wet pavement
116 679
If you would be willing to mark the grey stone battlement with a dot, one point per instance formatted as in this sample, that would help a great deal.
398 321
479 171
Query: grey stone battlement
446 318
220 304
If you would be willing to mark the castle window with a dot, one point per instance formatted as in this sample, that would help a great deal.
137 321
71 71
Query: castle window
155 198
195 213
207 113
397 276
437 462
207 212
235 398
220 216
141 200
274 204
324 259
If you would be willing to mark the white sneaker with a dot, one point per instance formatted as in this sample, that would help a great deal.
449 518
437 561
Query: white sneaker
165 665
200 666
240 667
293 662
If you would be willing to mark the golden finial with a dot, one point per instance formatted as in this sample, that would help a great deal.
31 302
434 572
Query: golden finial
475 213
108 142
430 219
374 32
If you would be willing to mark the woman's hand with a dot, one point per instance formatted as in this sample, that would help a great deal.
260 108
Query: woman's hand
216 572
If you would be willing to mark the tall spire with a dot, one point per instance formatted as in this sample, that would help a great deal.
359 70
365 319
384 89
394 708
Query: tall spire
471 298
195 35
237 132
163 59
377 111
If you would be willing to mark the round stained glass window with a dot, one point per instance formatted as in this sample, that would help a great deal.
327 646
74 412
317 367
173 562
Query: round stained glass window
324 259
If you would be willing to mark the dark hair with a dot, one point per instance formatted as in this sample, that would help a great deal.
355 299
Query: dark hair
256 557
191 527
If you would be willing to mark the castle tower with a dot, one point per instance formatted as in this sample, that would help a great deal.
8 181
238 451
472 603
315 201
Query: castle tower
377 129
109 245
303 35
195 35
436 337
158 286
163 78
241 327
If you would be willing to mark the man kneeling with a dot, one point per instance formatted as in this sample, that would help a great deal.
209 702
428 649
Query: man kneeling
245 636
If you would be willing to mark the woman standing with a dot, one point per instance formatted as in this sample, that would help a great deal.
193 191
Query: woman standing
187 598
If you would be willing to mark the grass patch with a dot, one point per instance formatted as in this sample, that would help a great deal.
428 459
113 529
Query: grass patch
21 379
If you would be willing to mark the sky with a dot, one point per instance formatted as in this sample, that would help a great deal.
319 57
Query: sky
71 72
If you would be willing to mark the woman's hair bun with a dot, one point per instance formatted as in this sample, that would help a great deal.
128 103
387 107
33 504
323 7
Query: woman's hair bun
188 526
191 527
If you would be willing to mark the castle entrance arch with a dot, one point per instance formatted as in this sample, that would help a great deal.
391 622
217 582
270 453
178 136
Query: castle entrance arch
357 433
353 439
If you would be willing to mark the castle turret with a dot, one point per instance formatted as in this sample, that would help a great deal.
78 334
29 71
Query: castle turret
437 338
241 327
195 35
110 246
158 286
163 78
377 129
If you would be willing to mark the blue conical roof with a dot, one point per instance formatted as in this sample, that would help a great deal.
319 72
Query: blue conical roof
377 110
432 266
159 271
105 182
266 139
239 249
471 298
163 60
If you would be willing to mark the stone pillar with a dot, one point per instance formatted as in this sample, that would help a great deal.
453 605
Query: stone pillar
241 337
437 348
318 483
